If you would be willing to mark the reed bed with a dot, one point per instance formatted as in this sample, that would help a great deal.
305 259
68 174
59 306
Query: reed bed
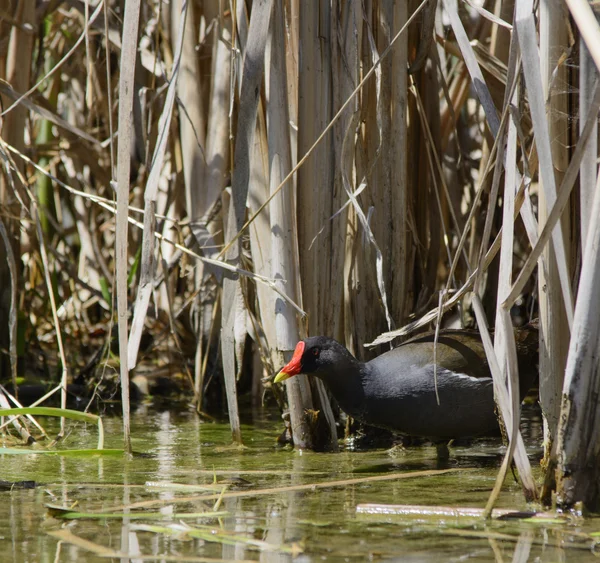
199 185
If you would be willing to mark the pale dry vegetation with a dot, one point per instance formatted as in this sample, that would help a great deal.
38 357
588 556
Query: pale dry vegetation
220 179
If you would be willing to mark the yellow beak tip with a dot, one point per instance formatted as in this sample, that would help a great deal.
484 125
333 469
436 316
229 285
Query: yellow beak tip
281 376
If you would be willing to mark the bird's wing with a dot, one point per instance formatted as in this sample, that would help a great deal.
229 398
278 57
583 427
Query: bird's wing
457 351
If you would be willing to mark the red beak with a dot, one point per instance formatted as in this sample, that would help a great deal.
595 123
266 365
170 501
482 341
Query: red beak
294 366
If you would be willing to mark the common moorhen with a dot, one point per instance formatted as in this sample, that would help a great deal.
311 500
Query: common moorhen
397 389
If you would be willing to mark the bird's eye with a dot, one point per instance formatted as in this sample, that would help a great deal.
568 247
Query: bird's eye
316 352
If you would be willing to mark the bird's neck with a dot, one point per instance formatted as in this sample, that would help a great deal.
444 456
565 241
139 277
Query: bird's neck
344 381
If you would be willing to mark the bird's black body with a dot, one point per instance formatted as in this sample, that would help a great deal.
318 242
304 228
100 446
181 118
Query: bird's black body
399 390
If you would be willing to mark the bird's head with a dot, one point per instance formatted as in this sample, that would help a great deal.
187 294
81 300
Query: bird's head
318 355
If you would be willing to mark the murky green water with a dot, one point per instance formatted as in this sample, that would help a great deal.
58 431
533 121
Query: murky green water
307 525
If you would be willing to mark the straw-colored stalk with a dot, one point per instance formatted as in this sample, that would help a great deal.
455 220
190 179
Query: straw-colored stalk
285 268
320 239
578 440
504 339
233 330
554 323
321 260
126 137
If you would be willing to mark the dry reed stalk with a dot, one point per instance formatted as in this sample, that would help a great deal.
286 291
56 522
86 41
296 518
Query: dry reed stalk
551 134
411 510
126 90
321 263
251 80
504 338
284 244
319 266
579 427
506 404
576 451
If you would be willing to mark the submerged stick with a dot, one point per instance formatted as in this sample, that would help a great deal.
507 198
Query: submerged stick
288 489
445 511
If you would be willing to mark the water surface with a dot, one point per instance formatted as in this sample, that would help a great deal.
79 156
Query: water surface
306 525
